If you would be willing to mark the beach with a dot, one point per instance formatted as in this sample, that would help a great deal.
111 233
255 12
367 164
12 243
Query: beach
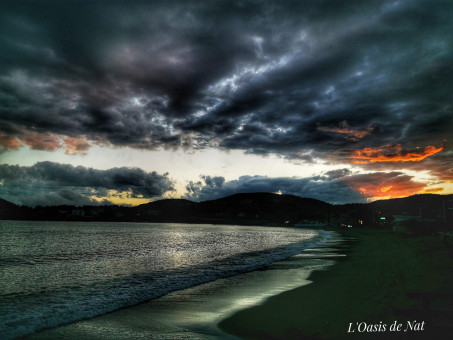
357 278
373 280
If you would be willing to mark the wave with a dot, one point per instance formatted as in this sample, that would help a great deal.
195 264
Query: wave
72 304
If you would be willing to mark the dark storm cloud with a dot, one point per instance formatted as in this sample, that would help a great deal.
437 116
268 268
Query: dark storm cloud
48 183
304 79
61 197
314 187
337 186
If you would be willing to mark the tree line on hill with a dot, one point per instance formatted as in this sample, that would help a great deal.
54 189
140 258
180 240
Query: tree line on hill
428 211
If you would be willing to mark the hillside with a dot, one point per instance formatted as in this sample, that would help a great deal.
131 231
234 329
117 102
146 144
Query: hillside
9 210
265 207
255 208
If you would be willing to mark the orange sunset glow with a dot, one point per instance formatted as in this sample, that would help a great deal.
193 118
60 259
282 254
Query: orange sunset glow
345 129
76 145
46 142
391 153
378 191
10 142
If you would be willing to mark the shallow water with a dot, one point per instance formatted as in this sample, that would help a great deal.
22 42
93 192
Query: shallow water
59 272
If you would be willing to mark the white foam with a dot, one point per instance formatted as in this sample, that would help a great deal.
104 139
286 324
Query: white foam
67 306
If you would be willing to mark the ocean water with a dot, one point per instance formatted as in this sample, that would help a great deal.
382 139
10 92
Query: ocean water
53 273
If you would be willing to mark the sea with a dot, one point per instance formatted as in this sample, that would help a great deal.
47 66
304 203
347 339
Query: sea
54 273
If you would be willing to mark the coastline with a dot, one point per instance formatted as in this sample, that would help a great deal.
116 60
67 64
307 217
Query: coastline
194 313
381 268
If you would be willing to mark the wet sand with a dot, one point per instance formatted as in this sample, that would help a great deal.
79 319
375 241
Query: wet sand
196 312
380 269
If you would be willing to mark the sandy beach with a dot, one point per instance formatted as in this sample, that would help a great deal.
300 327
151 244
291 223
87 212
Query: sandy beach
380 269
358 278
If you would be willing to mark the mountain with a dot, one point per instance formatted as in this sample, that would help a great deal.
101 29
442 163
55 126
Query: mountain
9 210
427 203
252 209
174 210
265 207
248 208
5 205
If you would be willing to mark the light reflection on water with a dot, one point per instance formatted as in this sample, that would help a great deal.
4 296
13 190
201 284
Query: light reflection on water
61 254
50 271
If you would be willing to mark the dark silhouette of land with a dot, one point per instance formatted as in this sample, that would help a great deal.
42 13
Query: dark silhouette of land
426 213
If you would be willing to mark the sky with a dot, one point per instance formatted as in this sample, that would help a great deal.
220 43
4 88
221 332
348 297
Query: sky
128 102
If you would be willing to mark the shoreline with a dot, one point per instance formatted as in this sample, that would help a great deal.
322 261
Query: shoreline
194 313
382 267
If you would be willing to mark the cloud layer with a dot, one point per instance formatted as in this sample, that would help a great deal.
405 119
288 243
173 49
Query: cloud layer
337 186
301 79
361 83
48 183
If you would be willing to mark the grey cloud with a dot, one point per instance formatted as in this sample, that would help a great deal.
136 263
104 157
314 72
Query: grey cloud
47 183
334 174
62 197
263 77
195 189
336 187
214 182
318 187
